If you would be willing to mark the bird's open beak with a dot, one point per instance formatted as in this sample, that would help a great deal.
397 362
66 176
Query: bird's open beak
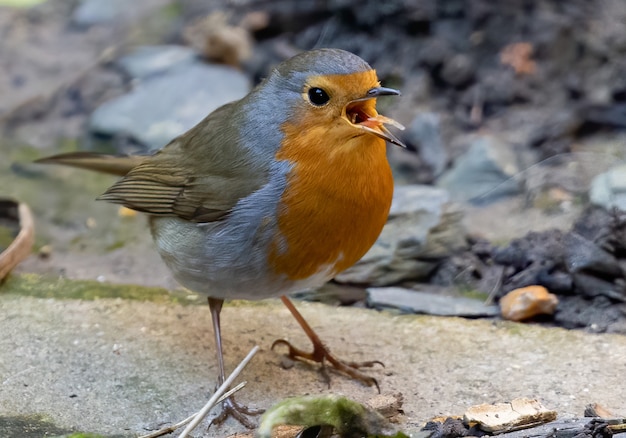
362 114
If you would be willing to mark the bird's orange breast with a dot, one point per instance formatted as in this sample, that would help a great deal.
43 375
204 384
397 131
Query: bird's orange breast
336 203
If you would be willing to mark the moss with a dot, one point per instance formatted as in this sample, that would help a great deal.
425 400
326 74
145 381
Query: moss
38 426
60 288
7 235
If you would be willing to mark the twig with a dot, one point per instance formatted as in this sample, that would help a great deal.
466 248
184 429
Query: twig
217 397
173 427
213 401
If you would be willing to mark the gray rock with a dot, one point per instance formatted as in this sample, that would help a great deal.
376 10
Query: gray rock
414 301
458 70
165 106
424 133
422 228
608 189
148 61
484 173
90 12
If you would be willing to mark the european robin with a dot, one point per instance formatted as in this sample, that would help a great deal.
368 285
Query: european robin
269 195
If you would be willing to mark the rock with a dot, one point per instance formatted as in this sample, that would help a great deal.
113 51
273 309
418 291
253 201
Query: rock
484 173
524 303
95 12
434 52
609 189
165 106
146 61
425 135
598 314
90 12
412 301
520 413
583 255
593 285
422 229
458 70
217 40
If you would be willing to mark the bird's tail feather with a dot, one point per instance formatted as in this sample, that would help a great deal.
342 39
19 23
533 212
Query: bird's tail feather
111 164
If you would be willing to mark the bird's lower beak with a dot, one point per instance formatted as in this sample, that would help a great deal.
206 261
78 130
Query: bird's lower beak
362 114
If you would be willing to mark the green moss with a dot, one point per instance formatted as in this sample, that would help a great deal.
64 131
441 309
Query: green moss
7 235
345 416
83 435
59 288
37 426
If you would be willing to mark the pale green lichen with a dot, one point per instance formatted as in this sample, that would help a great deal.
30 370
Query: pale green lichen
348 418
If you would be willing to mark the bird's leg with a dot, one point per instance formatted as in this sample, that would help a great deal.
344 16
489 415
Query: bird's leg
229 406
322 354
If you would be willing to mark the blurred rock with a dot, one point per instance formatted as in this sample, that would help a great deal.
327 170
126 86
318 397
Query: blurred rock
584 255
609 189
458 70
421 230
424 134
413 301
90 12
524 303
598 314
434 52
484 173
219 41
334 294
163 107
146 61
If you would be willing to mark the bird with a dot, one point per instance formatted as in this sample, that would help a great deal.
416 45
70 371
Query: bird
268 195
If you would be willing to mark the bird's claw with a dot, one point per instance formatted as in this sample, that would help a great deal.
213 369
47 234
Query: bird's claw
230 408
323 356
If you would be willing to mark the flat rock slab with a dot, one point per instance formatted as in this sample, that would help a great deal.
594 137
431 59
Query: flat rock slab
122 367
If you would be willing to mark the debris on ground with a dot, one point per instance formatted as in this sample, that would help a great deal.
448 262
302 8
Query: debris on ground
17 234
521 413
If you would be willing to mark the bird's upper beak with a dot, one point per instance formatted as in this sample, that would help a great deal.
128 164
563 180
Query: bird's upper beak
362 114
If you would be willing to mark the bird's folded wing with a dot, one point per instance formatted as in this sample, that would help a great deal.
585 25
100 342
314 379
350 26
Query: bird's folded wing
172 191
199 176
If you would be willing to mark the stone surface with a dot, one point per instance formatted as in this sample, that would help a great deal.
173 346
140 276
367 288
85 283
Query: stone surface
609 188
98 12
146 61
90 12
163 107
422 228
424 133
428 303
123 367
526 302
484 173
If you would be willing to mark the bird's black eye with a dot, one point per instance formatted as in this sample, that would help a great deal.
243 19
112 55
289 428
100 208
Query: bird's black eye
318 97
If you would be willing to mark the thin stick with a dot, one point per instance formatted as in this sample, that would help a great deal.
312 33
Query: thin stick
172 428
222 389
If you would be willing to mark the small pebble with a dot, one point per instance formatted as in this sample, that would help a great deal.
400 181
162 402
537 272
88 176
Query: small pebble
526 302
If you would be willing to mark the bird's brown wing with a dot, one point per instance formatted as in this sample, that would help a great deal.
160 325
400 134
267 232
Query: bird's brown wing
199 176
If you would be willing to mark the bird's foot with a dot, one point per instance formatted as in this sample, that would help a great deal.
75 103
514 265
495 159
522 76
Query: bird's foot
322 355
241 413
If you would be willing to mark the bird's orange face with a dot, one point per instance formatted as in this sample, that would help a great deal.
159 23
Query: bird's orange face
346 105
